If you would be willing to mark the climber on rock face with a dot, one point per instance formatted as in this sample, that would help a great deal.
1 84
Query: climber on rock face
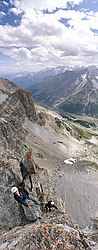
49 205
21 195
27 168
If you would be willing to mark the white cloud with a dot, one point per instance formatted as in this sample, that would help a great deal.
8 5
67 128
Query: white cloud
43 4
42 40
19 53
2 14
6 3
16 11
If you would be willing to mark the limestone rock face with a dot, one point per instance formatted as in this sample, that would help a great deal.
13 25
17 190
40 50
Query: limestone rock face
15 106
10 211
28 103
14 109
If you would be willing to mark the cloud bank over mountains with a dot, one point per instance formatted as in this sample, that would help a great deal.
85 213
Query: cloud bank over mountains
47 33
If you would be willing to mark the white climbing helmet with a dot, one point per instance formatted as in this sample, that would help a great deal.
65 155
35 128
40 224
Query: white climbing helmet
14 189
52 202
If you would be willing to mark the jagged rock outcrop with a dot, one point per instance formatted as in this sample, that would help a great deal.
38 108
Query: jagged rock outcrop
16 105
13 111
54 233
26 100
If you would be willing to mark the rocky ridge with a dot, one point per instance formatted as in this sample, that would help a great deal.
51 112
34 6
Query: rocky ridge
55 232
13 111
16 110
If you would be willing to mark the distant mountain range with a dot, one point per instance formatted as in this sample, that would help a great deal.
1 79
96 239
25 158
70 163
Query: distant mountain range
27 79
63 89
72 91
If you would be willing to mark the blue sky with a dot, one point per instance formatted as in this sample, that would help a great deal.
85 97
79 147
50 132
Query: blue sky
47 33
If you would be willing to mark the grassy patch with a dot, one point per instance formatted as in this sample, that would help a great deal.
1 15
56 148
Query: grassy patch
86 124
90 144
87 163
83 133
83 155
